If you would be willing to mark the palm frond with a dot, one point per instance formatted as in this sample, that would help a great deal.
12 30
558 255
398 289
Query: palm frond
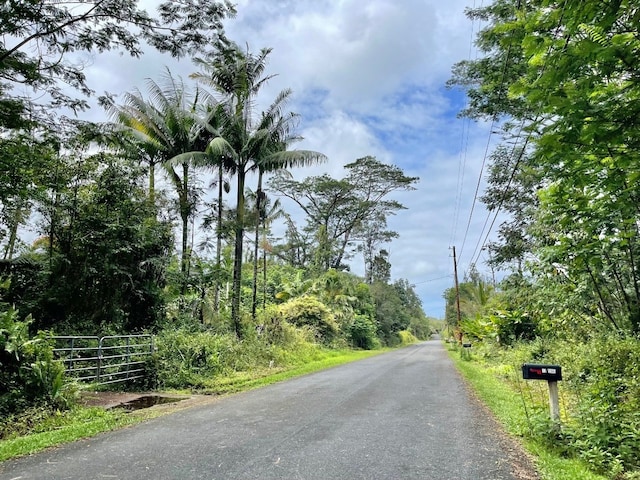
290 159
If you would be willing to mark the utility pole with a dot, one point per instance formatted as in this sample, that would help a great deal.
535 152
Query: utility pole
455 275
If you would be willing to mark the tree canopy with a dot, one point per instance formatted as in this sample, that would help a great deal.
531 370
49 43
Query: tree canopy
340 213
41 37
562 76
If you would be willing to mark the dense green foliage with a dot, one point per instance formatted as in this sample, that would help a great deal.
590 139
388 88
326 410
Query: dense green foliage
519 407
28 373
560 74
561 77
599 398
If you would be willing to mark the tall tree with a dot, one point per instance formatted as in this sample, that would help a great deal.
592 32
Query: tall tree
105 267
264 213
169 128
25 161
246 140
571 82
341 211
374 234
380 269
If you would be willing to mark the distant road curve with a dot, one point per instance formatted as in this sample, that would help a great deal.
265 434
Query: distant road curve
400 415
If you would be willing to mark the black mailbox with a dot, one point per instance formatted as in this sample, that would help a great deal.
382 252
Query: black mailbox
531 371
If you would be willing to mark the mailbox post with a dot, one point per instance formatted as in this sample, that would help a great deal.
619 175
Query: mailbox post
552 374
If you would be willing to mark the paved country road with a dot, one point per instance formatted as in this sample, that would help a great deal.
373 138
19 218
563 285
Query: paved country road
401 415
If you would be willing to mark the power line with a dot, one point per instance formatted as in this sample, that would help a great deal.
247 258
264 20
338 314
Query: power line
475 195
522 151
464 146
503 196
433 279
486 153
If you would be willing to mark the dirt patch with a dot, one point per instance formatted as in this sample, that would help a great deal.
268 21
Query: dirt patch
109 400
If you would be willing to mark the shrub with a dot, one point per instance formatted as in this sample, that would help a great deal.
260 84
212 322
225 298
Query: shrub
406 337
362 333
309 311
601 421
28 372
185 356
192 358
604 374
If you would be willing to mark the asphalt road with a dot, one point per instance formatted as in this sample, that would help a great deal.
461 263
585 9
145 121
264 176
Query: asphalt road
401 415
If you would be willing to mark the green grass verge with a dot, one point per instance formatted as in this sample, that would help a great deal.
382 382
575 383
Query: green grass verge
81 422
63 428
242 381
507 406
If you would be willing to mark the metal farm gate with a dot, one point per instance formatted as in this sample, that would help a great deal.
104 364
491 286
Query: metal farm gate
104 360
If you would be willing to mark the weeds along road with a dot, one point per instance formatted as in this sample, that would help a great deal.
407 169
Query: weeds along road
401 415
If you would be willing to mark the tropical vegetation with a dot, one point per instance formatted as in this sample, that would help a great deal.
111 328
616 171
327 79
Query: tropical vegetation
127 226
561 79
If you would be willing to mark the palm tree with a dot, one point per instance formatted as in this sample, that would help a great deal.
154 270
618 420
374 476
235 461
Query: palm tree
246 142
168 127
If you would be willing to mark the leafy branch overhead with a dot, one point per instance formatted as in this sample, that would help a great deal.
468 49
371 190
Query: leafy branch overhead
563 76
42 39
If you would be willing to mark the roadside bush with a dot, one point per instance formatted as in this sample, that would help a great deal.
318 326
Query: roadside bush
309 311
185 356
276 331
28 372
601 397
604 376
190 358
362 333
406 337
504 326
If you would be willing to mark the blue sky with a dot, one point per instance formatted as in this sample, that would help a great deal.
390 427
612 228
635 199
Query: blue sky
368 79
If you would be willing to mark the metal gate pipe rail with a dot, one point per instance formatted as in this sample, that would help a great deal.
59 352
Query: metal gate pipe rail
104 360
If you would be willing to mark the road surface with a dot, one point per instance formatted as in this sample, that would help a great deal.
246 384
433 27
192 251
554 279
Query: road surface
405 414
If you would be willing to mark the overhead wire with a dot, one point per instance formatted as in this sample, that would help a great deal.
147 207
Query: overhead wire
476 254
464 147
502 198
486 154
484 159
475 195
433 279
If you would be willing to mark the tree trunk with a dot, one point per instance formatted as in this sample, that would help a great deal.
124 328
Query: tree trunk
264 268
216 301
8 252
184 214
237 260
152 182
254 300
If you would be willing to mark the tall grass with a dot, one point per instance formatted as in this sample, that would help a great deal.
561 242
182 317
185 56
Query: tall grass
495 388
600 399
